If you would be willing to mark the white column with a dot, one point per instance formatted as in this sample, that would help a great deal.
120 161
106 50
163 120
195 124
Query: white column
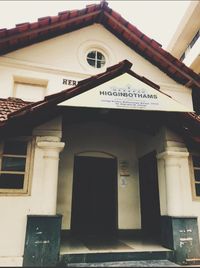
173 181
51 149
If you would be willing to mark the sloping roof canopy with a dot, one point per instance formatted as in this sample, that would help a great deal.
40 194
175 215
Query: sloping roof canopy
10 105
51 101
45 28
23 113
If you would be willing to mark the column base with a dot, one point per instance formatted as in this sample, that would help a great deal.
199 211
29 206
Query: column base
181 235
42 244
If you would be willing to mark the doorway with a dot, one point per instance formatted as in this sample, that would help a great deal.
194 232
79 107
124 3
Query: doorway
94 200
149 195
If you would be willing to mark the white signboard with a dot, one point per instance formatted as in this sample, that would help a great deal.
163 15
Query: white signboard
126 92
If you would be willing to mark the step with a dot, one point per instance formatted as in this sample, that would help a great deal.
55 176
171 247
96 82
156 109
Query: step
193 261
146 263
104 257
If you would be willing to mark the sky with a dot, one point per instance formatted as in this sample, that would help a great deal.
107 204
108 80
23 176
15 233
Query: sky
157 19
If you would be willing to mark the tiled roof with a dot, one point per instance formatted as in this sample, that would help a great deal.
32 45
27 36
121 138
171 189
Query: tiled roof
16 110
10 105
26 34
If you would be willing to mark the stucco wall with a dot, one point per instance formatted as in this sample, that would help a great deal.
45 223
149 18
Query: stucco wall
64 56
14 209
100 137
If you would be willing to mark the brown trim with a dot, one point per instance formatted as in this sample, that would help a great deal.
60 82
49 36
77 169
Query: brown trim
49 27
146 46
144 79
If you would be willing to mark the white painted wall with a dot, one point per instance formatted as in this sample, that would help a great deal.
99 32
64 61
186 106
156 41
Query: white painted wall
65 55
94 136
14 209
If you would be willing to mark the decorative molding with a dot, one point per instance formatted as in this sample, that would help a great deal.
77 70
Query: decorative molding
13 63
50 145
174 154
47 138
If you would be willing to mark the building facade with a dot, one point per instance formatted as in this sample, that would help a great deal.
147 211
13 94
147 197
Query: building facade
99 138
185 43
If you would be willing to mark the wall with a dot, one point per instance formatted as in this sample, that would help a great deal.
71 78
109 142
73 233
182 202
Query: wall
63 57
97 136
14 209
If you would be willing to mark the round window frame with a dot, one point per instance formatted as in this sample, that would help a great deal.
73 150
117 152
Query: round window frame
97 45
96 59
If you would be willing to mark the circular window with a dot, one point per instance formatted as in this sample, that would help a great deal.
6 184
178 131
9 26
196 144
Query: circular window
96 59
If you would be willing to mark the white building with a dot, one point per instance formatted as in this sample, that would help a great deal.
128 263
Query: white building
185 43
98 139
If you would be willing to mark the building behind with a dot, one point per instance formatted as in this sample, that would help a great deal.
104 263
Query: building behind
185 43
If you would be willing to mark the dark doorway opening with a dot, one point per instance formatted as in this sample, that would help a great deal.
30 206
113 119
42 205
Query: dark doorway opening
149 195
94 200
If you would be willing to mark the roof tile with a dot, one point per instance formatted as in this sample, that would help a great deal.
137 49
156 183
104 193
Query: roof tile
73 13
55 19
63 15
134 30
34 25
12 31
22 27
10 105
3 32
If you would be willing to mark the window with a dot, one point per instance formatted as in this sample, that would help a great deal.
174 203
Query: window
94 55
182 57
194 40
196 175
15 165
96 59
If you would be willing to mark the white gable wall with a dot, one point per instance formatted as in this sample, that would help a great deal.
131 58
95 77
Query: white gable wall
64 56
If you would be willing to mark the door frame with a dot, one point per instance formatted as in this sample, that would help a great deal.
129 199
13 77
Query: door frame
155 195
99 154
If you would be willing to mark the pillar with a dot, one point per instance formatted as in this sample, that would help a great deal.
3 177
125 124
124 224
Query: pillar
51 147
179 230
172 172
42 242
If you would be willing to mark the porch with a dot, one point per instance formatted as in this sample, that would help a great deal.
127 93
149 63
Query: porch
124 249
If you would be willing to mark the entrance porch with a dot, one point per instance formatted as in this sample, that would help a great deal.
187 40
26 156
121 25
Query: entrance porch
113 208
122 248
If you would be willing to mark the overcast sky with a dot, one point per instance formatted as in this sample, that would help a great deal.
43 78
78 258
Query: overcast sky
157 19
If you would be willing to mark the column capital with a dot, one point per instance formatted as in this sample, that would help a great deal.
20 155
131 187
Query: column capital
47 138
172 154
51 145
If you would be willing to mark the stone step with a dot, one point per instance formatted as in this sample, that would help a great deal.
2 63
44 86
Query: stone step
146 263
194 261
113 257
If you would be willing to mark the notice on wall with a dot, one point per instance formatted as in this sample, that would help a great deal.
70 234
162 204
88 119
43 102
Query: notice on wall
124 172
126 92
124 168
